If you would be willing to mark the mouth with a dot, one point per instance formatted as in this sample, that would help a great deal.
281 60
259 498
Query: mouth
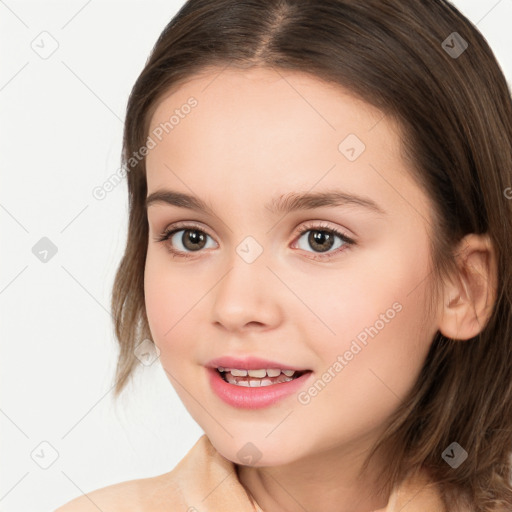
259 377
256 388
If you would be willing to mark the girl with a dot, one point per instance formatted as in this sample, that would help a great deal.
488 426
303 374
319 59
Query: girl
319 251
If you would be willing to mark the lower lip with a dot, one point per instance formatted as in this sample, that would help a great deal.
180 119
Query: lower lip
253 398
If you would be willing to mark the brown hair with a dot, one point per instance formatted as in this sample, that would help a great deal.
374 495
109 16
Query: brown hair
455 112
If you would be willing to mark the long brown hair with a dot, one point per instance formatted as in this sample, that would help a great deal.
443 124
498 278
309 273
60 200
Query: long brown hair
453 104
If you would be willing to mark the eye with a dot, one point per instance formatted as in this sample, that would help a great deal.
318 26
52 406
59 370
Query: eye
191 239
183 240
322 238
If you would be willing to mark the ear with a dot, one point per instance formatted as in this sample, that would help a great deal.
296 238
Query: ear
470 296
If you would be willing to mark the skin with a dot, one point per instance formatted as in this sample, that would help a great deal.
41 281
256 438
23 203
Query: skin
253 136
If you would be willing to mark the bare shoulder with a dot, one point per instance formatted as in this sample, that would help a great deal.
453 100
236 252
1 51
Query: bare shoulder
141 495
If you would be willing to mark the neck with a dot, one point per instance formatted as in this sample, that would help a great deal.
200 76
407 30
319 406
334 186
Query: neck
326 482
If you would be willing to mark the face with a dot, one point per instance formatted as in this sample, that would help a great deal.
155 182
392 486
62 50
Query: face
337 288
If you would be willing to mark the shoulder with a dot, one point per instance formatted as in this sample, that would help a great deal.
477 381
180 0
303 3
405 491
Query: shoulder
197 472
121 496
141 495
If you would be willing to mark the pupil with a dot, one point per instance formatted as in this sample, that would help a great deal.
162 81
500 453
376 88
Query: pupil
317 237
194 238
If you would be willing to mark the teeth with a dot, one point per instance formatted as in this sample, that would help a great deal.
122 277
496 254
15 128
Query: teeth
260 374
256 373
256 381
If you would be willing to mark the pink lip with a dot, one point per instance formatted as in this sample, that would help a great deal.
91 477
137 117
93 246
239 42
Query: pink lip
248 363
257 397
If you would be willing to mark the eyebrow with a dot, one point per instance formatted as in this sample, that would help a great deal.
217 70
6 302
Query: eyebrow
283 204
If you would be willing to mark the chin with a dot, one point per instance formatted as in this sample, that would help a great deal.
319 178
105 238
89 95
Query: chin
258 452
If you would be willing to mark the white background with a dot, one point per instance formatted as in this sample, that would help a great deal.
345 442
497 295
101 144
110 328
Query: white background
61 129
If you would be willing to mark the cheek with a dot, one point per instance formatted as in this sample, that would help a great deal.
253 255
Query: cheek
371 364
380 331
168 299
347 301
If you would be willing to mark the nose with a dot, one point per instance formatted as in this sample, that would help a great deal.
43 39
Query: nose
247 297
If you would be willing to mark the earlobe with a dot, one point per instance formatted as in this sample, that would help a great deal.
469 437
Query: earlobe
470 296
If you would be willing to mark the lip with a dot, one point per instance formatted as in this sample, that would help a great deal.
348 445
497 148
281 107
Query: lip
249 363
257 397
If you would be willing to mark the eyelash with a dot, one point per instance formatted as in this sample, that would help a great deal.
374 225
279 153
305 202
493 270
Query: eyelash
169 232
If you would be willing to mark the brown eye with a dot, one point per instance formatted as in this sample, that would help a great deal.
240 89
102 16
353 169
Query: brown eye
184 241
320 240
193 239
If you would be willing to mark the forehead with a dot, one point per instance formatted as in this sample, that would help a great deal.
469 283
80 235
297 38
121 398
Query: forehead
262 129
265 102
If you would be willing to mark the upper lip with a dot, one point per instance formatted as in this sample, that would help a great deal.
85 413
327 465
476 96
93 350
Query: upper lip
250 363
